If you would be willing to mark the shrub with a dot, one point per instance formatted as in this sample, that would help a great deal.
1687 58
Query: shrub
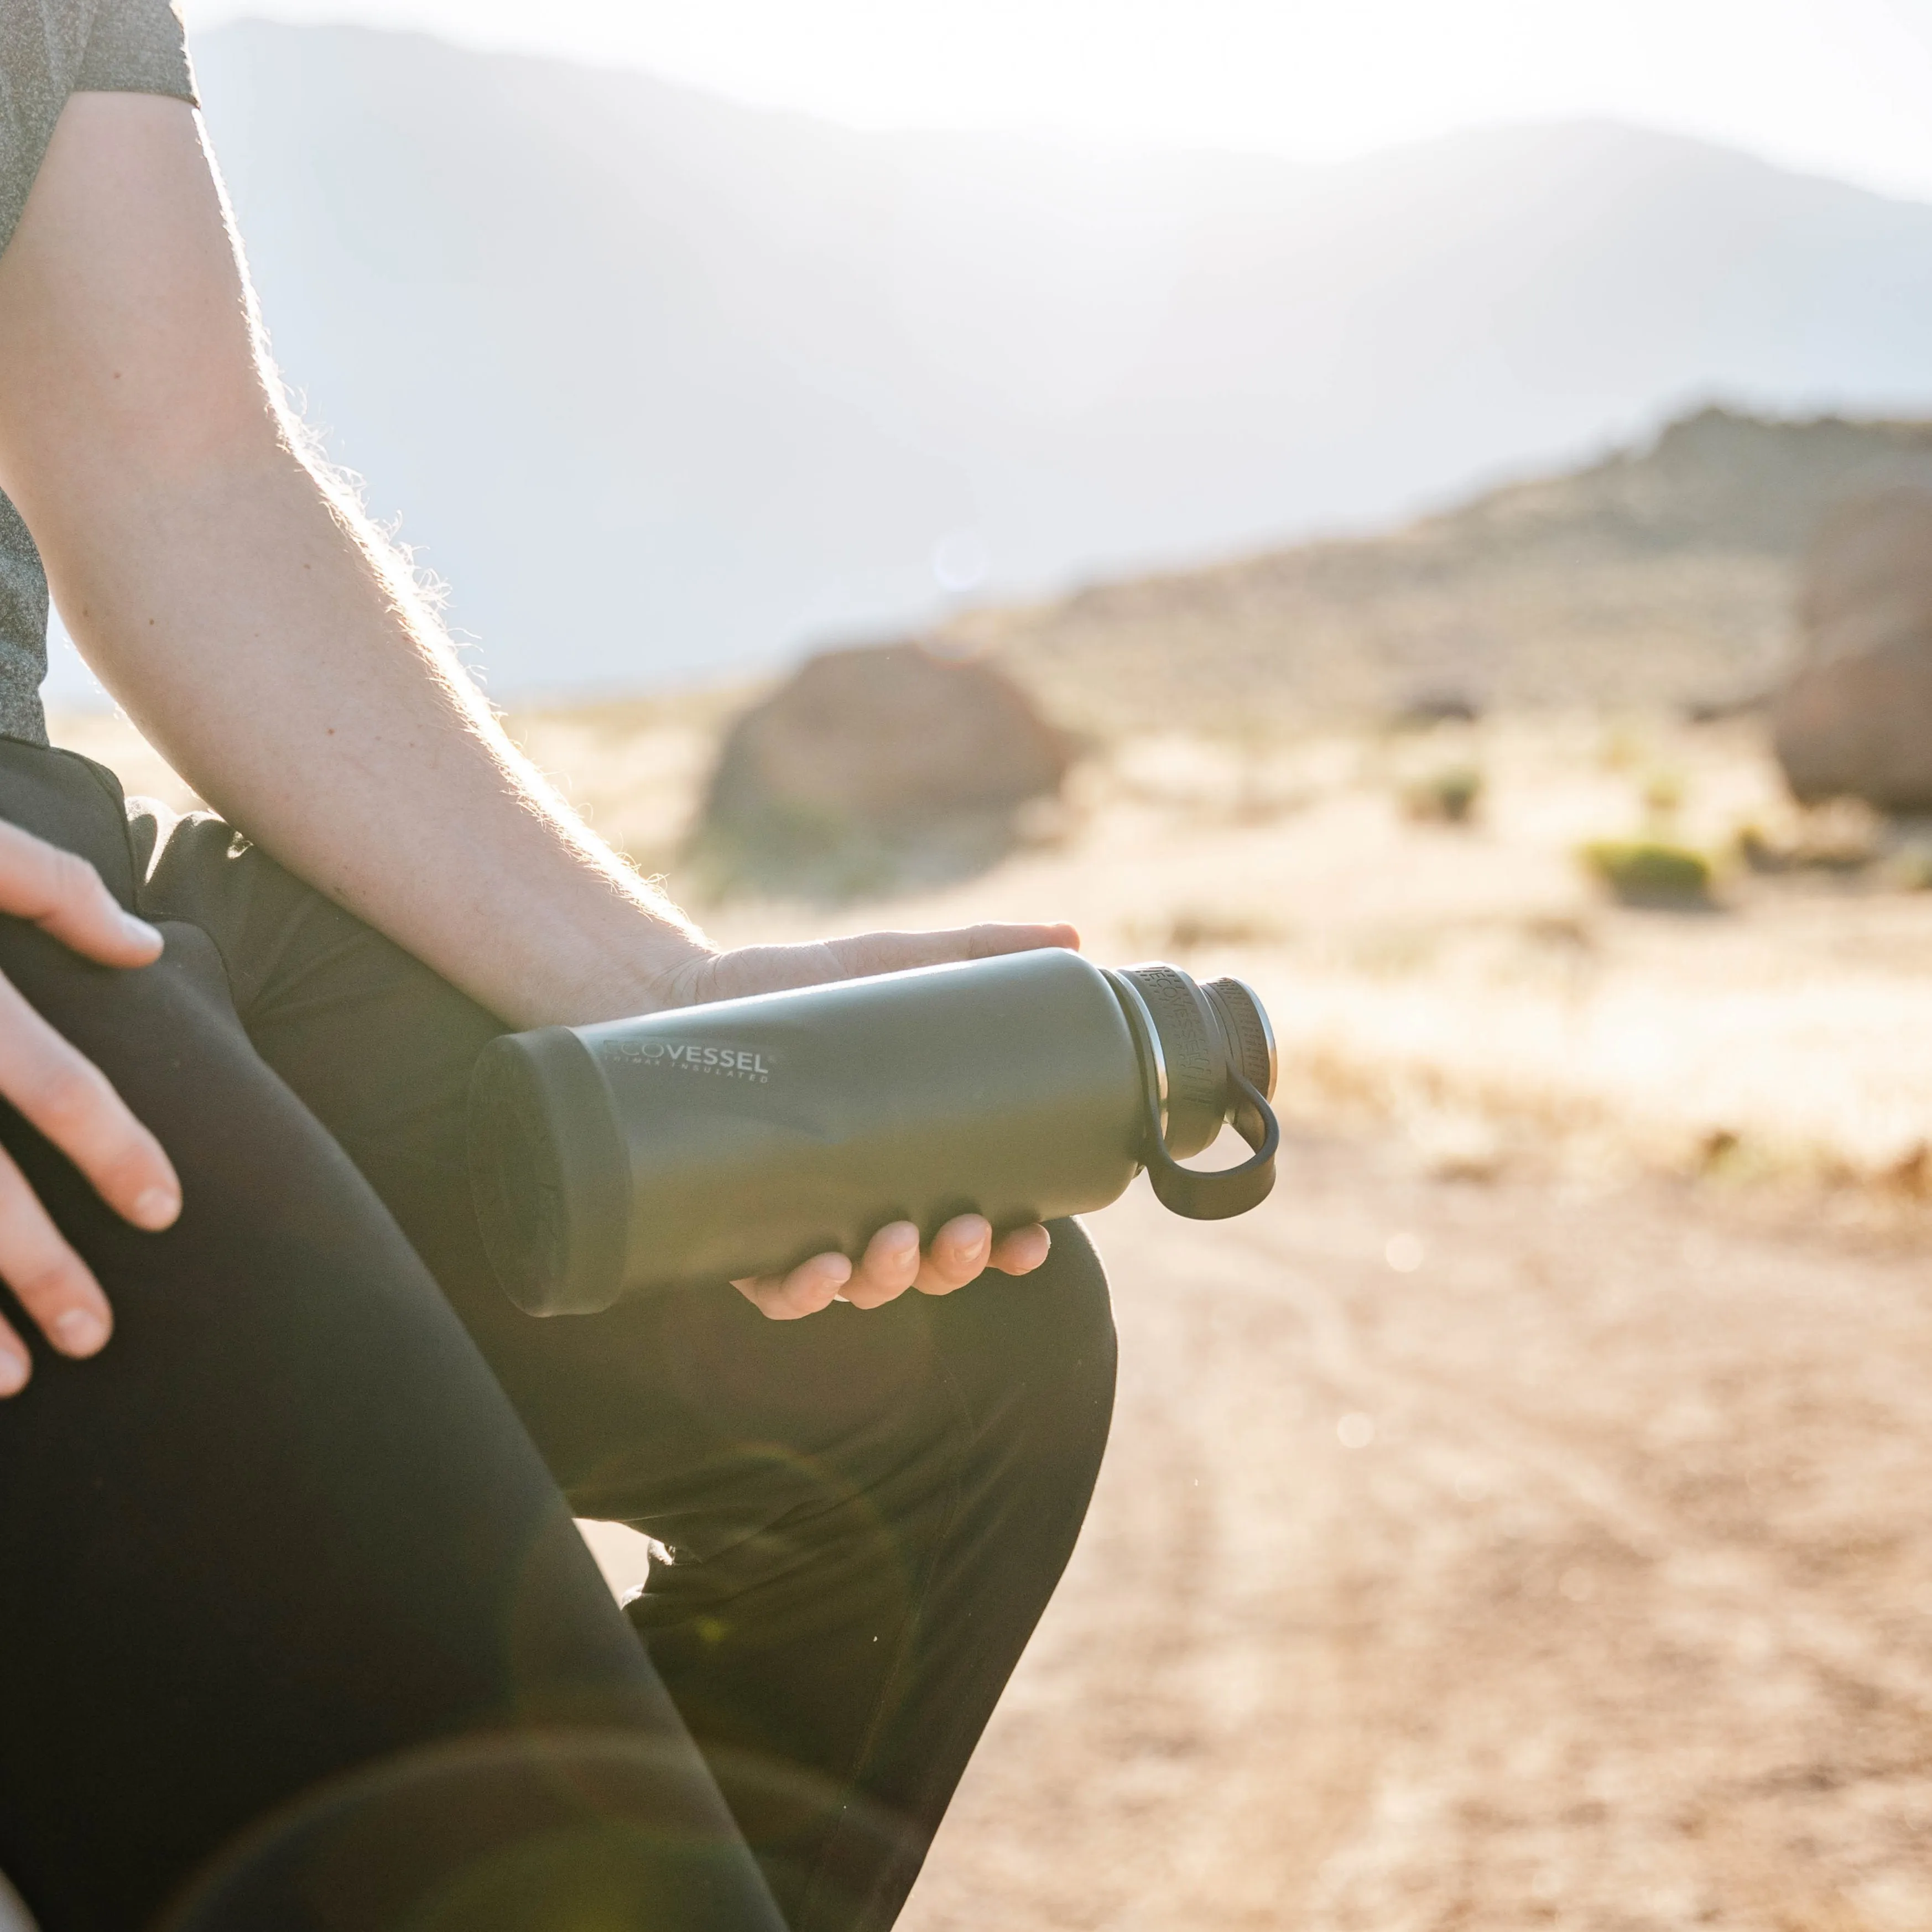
1663 796
1843 838
1448 796
1910 870
1646 871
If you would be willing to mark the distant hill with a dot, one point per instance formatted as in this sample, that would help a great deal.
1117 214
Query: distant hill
662 385
1661 576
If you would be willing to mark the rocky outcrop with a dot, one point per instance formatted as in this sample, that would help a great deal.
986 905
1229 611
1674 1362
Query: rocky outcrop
874 767
1856 719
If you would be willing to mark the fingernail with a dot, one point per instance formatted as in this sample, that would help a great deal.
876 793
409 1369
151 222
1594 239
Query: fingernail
904 1242
13 1372
79 1331
139 930
157 1208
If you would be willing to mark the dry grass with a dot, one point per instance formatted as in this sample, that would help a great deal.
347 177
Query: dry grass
1426 973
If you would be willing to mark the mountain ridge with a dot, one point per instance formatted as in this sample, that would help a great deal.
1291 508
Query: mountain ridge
664 386
1662 575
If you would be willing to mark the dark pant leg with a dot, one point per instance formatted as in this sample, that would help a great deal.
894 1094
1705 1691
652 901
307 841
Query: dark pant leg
286 1527
858 1608
869 1511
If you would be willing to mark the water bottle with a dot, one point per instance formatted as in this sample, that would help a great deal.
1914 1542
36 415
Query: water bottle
710 1143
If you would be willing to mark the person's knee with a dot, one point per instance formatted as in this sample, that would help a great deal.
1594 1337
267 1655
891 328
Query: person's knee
1034 1355
1075 1325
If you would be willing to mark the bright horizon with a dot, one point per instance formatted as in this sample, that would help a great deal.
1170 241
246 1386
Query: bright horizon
1838 87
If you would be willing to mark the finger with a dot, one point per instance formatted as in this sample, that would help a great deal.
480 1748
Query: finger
1022 1251
52 1283
15 1364
63 895
868 952
771 969
886 1270
69 1099
811 1286
958 1254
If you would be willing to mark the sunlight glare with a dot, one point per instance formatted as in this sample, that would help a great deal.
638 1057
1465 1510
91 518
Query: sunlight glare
1838 85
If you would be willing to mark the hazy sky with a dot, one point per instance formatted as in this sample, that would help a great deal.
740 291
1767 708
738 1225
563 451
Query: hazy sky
1842 86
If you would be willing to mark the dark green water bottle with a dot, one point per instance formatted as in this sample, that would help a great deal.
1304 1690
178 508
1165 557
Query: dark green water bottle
714 1142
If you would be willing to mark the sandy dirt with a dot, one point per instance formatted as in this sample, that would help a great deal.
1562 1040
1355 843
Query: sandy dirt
1570 1570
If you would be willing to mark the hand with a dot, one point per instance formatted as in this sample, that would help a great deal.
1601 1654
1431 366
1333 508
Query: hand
965 1248
961 1252
773 969
68 1097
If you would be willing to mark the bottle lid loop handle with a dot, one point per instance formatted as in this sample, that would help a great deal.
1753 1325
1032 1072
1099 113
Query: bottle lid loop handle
1216 1196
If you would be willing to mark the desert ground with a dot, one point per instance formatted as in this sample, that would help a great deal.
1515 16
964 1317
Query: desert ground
1521 1518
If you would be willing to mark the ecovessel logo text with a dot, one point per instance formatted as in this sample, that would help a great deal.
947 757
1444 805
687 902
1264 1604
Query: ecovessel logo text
727 1063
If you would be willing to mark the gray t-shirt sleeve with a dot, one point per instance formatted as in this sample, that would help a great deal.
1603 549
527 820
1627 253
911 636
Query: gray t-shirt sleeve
49 49
136 46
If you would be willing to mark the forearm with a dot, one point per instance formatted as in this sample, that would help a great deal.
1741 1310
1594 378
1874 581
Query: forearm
291 674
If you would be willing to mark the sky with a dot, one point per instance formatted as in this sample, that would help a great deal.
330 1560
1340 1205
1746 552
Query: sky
1838 87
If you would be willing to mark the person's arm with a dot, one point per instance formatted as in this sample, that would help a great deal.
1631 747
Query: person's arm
236 603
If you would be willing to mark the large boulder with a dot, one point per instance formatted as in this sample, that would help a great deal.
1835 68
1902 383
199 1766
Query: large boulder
876 767
1856 719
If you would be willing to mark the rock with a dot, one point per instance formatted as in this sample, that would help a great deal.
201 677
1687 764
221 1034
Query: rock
1436 704
1720 707
874 767
1868 577
1856 719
